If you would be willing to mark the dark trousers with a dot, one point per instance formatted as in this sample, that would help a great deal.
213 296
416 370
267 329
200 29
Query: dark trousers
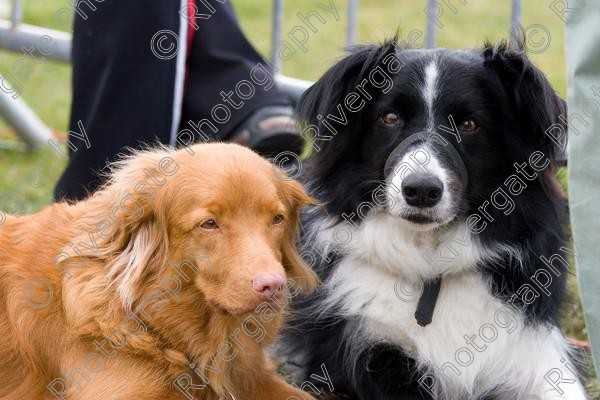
125 95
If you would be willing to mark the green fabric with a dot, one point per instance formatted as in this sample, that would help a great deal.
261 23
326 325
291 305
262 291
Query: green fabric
583 64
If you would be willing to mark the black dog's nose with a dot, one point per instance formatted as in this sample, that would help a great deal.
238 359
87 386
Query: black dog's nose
422 190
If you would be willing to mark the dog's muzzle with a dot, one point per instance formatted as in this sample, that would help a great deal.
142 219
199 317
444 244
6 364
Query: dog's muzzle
423 189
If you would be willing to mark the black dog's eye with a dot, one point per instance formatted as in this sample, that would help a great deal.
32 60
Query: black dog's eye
278 219
469 125
209 224
391 119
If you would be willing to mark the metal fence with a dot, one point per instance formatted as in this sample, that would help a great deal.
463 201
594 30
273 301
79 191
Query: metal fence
14 35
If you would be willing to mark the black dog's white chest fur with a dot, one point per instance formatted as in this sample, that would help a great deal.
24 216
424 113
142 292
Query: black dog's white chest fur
389 216
475 340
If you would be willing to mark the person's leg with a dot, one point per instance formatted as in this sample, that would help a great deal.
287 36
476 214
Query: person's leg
125 95
122 92
227 79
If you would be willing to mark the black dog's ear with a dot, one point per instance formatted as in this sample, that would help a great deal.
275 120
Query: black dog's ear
329 93
533 102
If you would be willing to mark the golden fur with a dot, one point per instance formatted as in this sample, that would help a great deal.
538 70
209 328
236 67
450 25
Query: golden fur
122 294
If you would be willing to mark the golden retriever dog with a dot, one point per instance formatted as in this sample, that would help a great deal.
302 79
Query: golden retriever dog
168 283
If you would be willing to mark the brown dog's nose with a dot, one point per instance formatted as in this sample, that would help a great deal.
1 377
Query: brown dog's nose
266 284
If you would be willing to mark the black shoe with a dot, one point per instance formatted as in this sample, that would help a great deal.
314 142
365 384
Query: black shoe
271 130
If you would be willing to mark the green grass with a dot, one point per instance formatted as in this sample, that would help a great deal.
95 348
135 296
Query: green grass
17 165
48 89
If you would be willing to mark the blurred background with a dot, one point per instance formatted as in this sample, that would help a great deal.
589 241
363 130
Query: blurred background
47 91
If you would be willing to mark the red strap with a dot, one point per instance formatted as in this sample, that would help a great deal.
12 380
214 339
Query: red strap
192 21
190 36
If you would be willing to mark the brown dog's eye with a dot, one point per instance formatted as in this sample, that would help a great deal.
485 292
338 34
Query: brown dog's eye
209 224
468 125
391 119
278 219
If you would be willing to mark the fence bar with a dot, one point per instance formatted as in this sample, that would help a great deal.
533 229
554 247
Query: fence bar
28 36
16 15
276 35
515 23
293 87
352 21
431 30
26 124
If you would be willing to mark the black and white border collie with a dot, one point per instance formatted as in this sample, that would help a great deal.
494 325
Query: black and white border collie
439 239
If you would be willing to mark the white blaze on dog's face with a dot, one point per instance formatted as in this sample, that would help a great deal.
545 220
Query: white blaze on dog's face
424 186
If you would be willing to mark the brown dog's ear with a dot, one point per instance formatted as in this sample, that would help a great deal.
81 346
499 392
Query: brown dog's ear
138 255
126 225
297 196
296 268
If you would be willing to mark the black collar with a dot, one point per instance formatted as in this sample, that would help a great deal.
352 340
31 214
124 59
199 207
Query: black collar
426 305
